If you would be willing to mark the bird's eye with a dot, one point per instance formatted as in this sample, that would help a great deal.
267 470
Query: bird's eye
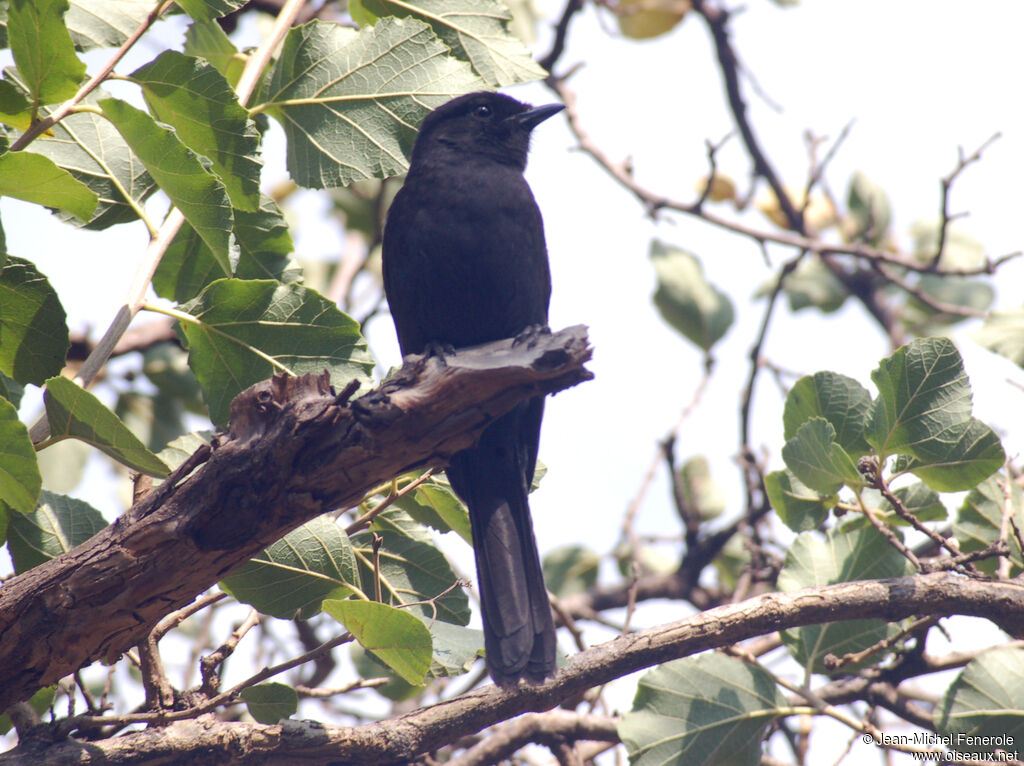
482 111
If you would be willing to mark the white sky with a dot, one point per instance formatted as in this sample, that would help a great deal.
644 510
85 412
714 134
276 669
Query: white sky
919 79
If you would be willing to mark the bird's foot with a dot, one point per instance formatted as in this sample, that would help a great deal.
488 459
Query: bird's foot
437 351
529 335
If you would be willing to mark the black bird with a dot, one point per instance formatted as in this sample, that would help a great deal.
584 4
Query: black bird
465 262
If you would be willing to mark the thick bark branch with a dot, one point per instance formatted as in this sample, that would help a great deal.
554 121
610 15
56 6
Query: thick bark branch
294 450
402 739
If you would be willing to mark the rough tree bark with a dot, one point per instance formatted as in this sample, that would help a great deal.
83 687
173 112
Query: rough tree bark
294 450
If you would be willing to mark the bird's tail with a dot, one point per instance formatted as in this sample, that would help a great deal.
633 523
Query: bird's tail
519 634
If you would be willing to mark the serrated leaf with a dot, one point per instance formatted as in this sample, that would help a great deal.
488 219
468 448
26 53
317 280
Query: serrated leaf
20 480
75 413
298 572
350 101
246 330
191 96
208 40
869 207
985 701
570 569
271 702
799 507
33 330
686 300
412 569
264 247
708 710
34 178
840 400
818 461
56 526
209 9
43 50
197 193
105 23
395 636
477 33
1003 333
980 517
923 409
861 554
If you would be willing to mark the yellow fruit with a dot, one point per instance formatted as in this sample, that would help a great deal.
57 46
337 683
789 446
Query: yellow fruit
644 19
819 214
722 188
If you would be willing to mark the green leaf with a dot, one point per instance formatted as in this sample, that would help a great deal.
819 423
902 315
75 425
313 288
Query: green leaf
818 461
477 33
208 40
191 96
10 389
271 702
15 108
105 23
33 330
869 208
455 650
209 9
985 701
799 507
840 400
708 710
180 449
570 569
197 193
297 572
924 409
812 285
395 636
55 527
435 505
920 500
979 519
959 251
35 178
412 569
1003 333
687 301
699 491
246 330
862 554
75 413
350 101
20 480
264 247
43 49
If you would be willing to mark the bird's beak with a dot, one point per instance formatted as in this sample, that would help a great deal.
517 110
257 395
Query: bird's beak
531 118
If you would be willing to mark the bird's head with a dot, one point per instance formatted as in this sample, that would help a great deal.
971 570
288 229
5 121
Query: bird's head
489 125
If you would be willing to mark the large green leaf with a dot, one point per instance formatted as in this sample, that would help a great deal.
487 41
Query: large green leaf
842 401
395 636
209 9
818 461
412 570
923 409
985 701
799 507
264 247
191 96
245 330
43 49
55 527
269 703
20 480
862 554
195 191
687 301
105 23
75 413
477 33
33 330
208 40
811 284
709 710
35 178
350 102
435 505
979 520
297 572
